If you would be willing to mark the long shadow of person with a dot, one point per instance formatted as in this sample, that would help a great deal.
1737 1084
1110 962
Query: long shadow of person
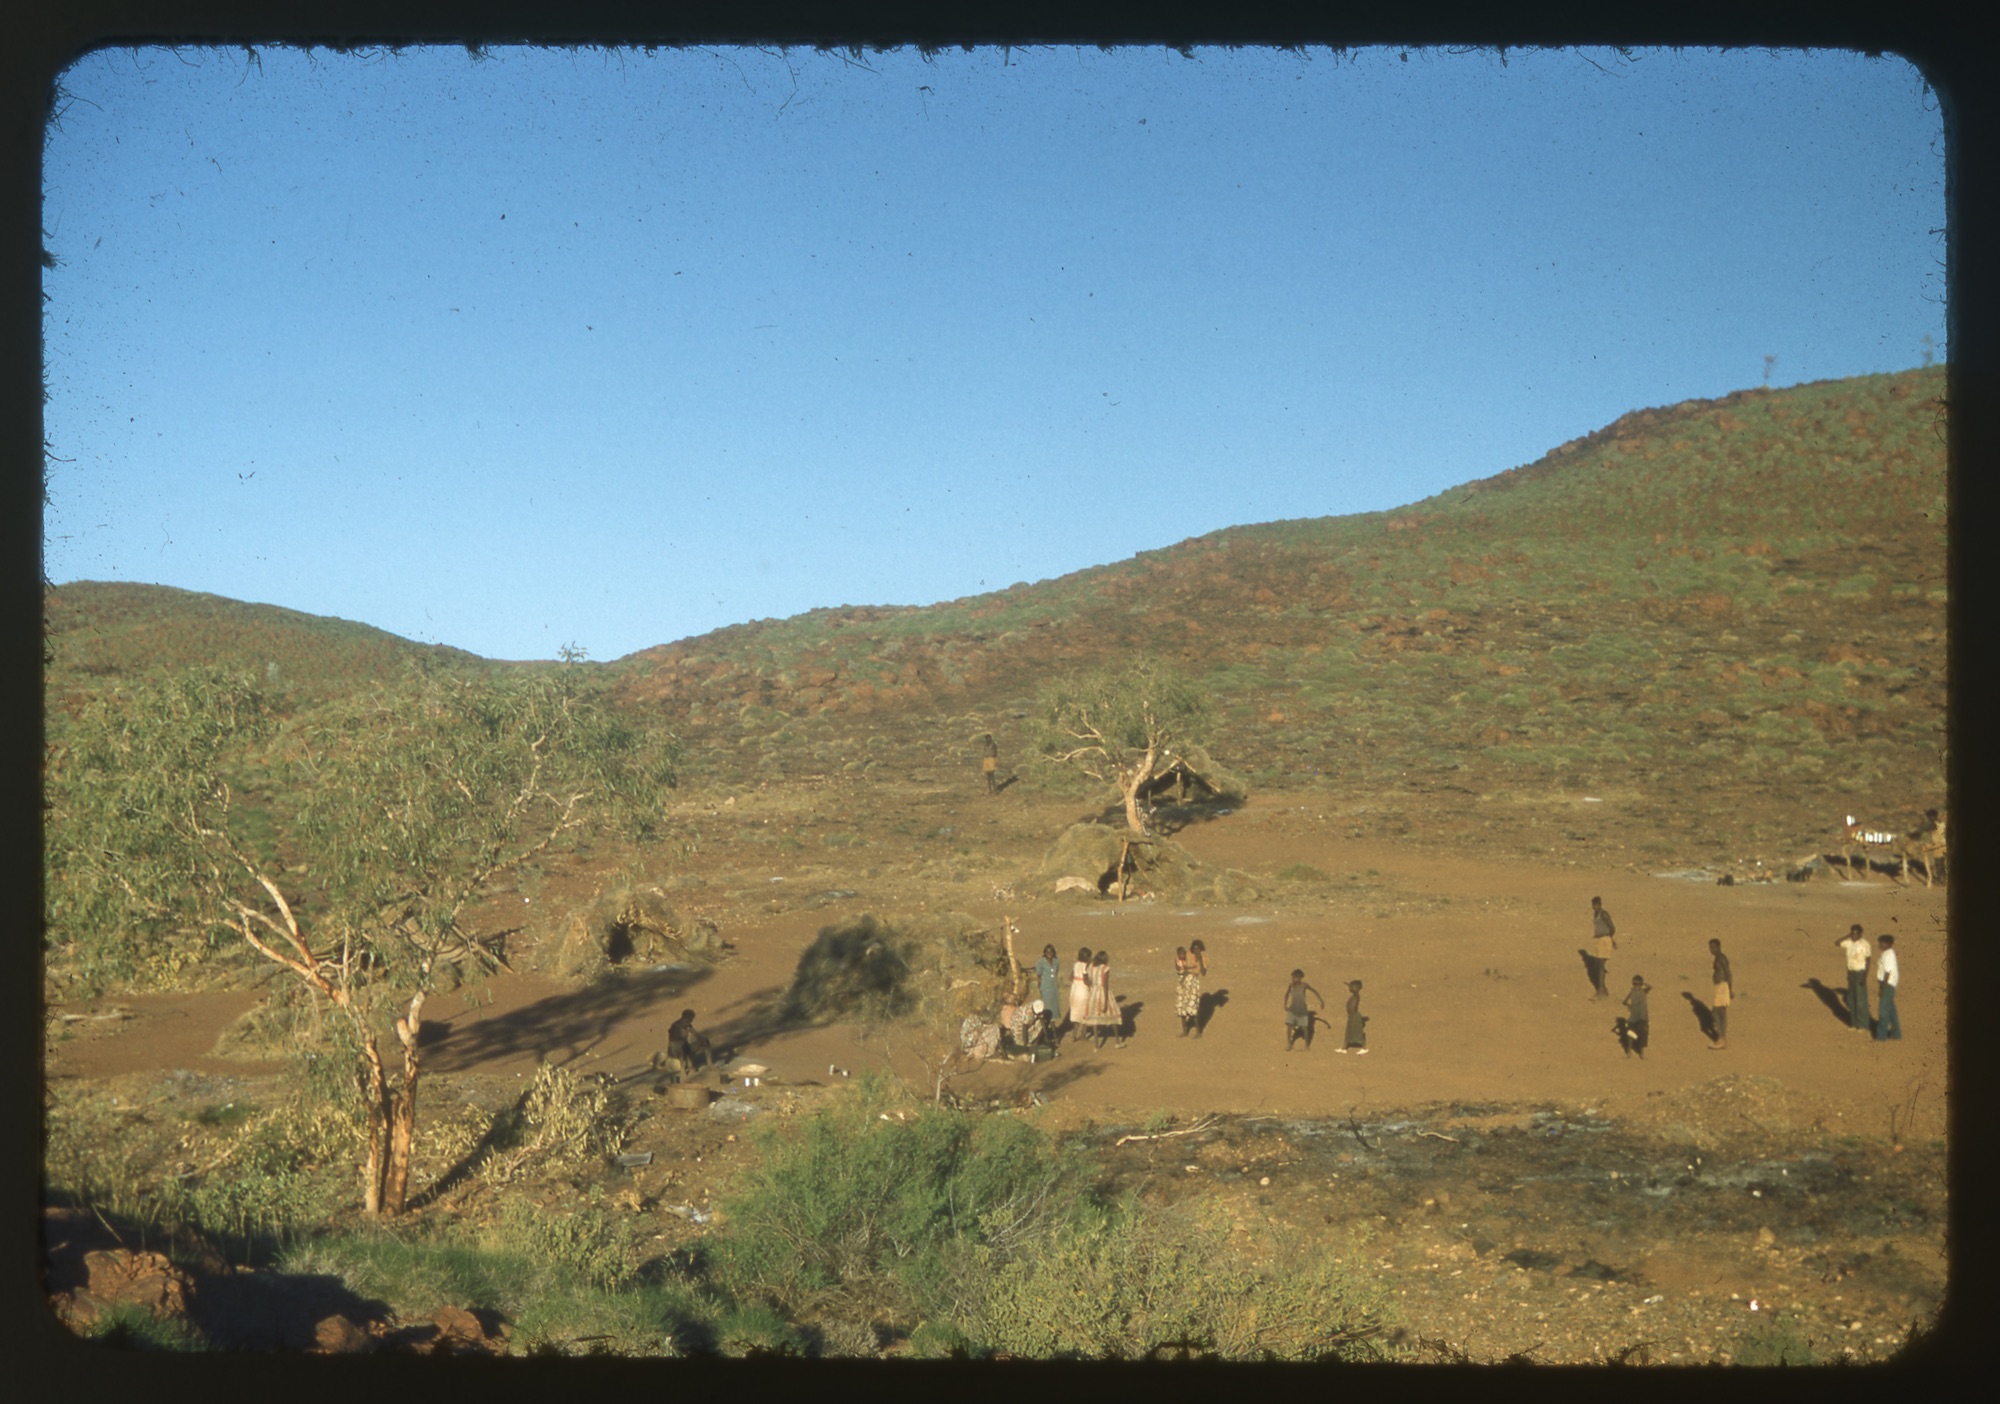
1703 1015
1130 1009
1593 970
1210 1002
1834 1000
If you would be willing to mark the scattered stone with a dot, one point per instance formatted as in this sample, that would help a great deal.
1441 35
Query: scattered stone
336 1335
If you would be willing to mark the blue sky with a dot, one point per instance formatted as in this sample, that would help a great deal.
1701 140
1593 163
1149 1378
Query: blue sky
611 349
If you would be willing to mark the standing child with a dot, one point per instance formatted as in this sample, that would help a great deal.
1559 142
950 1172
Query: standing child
1079 990
1719 1003
1298 1016
1357 1039
1189 966
1603 936
1105 1016
1636 1019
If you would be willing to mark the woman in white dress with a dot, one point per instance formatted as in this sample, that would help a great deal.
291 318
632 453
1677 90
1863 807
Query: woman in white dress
1079 989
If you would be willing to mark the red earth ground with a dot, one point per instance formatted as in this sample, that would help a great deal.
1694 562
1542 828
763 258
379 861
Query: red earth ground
1474 991
1480 1016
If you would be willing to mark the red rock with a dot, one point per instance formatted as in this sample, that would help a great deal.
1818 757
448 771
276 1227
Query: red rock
336 1335
119 1276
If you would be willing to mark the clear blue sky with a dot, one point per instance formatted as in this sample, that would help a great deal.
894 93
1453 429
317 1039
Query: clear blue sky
612 349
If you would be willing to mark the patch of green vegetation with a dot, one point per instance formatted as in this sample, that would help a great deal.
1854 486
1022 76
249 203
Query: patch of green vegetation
1163 1282
1775 1342
129 1326
1301 872
571 1284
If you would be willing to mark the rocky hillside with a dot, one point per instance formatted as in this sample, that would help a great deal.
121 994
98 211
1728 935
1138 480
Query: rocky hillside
1728 614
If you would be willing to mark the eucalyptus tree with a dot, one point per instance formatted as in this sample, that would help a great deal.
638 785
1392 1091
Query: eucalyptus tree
1125 725
344 844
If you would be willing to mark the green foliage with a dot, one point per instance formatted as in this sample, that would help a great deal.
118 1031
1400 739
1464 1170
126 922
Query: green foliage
851 1212
1155 1281
263 1179
129 1326
388 809
586 1244
562 1121
87 1159
1121 724
1776 1342
1109 713
129 788
257 1206
572 1288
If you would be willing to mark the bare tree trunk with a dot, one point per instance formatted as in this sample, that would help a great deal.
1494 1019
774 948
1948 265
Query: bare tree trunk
1135 782
402 1112
376 1093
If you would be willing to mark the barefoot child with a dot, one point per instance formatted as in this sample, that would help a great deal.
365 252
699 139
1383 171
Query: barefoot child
1357 1039
1298 1017
1636 1020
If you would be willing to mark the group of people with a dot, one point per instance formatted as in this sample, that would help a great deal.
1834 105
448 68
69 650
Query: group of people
1300 1018
1886 1023
1634 1027
1093 1010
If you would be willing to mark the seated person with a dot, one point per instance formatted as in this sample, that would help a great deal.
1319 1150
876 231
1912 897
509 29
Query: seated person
688 1044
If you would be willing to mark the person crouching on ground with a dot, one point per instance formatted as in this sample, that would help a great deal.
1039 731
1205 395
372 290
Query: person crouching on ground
1357 1038
1636 1020
1029 1027
978 1038
689 1044
1298 1016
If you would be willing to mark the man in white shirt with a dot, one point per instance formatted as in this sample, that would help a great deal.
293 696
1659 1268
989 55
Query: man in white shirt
1887 1025
1857 950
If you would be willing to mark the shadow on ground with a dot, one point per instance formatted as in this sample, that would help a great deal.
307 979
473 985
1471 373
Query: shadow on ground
560 1028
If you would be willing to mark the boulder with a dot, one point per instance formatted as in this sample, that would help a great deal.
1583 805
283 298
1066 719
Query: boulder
337 1335
117 1277
1085 858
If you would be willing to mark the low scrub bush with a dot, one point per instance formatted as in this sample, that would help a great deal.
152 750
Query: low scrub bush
563 1120
853 1214
586 1245
570 1285
1777 1342
132 1327
1155 1281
